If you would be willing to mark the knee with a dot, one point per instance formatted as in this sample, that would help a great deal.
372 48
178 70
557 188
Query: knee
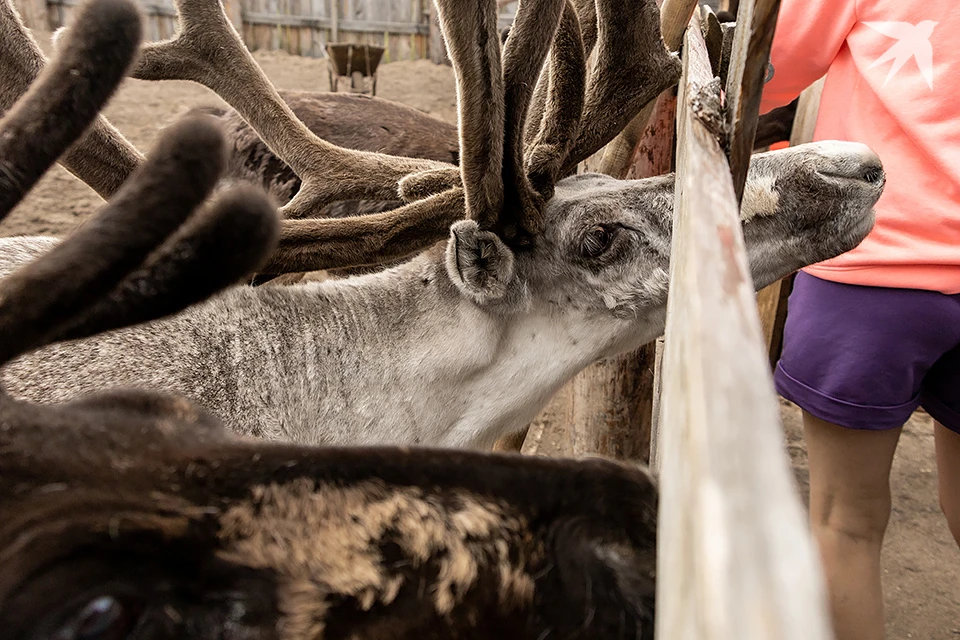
861 519
951 511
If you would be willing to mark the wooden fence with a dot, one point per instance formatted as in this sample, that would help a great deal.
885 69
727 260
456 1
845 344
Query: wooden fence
735 557
301 27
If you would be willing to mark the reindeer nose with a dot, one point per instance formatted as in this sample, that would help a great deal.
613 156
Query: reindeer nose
872 173
852 160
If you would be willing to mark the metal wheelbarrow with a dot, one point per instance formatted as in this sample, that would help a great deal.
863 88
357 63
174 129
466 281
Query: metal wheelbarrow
356 63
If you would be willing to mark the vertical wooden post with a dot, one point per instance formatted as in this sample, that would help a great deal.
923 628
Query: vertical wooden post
748 68
334 21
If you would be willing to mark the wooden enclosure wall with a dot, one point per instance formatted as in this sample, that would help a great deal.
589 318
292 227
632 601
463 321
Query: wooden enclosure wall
300 27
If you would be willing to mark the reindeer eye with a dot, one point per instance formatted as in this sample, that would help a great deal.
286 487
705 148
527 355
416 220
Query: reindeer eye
103 618
597 240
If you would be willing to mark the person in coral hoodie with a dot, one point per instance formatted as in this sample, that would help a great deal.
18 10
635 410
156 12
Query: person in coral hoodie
875 333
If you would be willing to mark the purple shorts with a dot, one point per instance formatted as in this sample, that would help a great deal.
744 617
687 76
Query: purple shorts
867 357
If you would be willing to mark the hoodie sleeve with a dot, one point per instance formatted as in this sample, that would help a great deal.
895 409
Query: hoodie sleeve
809 35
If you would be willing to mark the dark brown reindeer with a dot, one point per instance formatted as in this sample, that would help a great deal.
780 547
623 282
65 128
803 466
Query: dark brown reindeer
349 120
131 515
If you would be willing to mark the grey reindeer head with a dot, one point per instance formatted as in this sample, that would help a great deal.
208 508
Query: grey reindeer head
596 247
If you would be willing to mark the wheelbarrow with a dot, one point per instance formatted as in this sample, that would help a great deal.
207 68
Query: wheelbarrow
356 63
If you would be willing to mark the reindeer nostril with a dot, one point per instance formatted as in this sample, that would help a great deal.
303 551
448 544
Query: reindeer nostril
872 173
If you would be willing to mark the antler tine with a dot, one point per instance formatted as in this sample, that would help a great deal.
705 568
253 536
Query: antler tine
587 16
559 116
66 96
228 241
309 245
209 51
525 50
470 31
633 66
38 300
102 157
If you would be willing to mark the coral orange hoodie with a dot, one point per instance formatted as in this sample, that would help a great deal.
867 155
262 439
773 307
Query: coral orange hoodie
893 83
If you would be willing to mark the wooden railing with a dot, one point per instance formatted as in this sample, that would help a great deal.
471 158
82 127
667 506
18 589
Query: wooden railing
735 556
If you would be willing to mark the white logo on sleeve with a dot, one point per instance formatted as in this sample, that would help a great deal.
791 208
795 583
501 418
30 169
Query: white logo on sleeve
913 41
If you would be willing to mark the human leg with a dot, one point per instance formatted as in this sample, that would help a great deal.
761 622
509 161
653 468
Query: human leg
849 510
948 476
940 396
854 360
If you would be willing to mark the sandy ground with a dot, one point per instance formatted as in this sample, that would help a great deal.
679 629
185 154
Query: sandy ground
921 562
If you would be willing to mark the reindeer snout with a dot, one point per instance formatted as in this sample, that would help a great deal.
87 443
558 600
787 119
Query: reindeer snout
851 161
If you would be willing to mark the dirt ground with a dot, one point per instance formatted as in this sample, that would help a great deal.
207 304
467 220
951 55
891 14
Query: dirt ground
141 109
921 561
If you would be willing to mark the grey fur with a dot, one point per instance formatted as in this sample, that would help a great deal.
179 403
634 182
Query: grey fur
414 355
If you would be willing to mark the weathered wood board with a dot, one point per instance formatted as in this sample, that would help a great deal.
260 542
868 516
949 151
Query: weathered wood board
735 558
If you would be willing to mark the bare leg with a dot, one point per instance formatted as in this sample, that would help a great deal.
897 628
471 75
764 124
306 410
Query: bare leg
849 511
948 475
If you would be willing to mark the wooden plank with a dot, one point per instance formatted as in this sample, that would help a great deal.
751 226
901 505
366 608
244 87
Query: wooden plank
756 23
805 121
335 20
654 462
772 306
357 26
772 300
735 558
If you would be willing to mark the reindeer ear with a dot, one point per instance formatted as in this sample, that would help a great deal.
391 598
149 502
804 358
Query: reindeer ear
478 262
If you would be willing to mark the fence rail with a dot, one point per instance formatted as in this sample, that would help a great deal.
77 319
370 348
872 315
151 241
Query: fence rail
735 559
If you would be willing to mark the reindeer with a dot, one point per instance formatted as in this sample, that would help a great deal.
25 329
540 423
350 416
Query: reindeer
467 341
350 120
132 514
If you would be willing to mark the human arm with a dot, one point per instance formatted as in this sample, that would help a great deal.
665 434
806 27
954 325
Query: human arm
809 35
